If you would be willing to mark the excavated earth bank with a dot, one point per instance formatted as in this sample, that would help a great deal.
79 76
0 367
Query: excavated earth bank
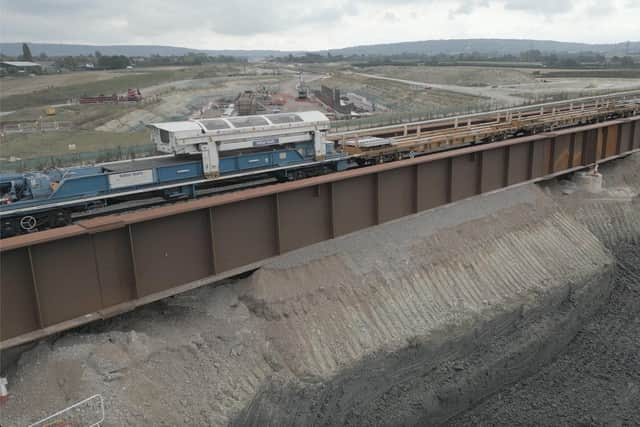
412 322
597 380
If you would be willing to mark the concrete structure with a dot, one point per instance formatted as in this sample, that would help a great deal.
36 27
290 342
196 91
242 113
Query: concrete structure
20 67
589 181
332 98
247 104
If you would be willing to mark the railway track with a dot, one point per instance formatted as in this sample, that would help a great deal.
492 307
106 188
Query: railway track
496 116
99 267
422 142
402 142
424 137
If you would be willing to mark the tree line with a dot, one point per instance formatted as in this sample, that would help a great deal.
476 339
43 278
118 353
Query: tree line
531 57
114 62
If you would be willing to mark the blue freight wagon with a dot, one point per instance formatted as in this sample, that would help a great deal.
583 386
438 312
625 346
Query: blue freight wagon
284 146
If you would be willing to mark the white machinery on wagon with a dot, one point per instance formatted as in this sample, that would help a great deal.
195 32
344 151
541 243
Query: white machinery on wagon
238 144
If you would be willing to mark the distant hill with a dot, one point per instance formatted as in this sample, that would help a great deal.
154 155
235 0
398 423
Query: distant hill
55 49
486 46
428 47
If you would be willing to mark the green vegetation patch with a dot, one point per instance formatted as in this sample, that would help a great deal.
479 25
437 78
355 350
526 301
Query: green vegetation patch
402 97
135 79
57 143
607 74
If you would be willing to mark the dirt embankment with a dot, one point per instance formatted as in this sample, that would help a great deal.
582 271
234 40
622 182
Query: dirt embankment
411 322
597 380
417 342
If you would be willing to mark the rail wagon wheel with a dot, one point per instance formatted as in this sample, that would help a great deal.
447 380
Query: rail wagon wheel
59 219
28 223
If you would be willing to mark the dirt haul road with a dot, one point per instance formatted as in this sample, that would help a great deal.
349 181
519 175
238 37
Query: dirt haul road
412 322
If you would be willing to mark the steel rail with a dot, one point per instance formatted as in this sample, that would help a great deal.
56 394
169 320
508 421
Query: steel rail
477 133
496 114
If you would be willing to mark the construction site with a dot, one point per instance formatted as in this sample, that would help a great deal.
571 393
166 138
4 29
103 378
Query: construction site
290 244
42 115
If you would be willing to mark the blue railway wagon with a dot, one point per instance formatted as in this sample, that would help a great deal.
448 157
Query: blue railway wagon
285 146
29 200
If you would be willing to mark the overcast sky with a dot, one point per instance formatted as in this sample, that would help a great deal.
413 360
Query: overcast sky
312 24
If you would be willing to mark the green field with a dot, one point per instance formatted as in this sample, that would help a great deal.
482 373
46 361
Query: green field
57 143
138 79
610 74
401 97
81 117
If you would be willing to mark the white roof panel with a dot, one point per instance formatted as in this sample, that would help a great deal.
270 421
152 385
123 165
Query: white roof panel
313 116
20 63
177 126
237 123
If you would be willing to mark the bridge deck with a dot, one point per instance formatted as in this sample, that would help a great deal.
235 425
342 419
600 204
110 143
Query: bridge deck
57 279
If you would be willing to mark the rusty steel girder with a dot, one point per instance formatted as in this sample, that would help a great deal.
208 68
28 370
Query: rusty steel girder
57 279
